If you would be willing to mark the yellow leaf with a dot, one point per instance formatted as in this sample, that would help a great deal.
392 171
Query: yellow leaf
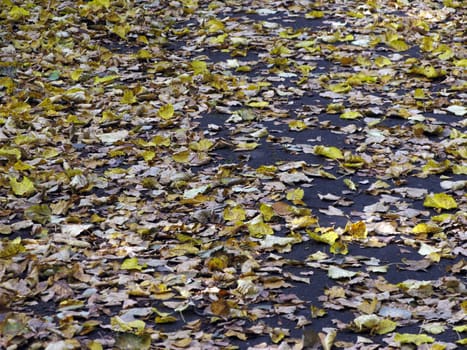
340 88
350 184
131 264
98 4
417 339
21 166
328 152
353 161
424 228
24 187
266 211
351 115
135 326
458 169
375 324
440 201
165 319
428 71
11 248
339 247
258 104
461 63
382 61
199 67
76 74
95 345
215 25
236 213
17 13
419 94
267 170
398 45
7 83
166 111
303 221
277 335
246 146
328 237
357 230
144 54
297 125
128 97
182 156
121 30
148 155
106 79
327 340
444 52
219 39
260 229
427 44
202 145
460 329
10 153
296 196
218 263
314 14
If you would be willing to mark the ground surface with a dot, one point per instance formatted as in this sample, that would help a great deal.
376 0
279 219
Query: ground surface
235 174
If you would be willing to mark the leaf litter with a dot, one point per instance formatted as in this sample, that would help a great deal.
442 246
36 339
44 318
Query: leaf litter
197 174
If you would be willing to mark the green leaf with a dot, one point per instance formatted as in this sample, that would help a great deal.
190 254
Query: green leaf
54 75
440 201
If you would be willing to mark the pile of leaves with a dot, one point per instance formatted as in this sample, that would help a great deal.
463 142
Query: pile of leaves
232 174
